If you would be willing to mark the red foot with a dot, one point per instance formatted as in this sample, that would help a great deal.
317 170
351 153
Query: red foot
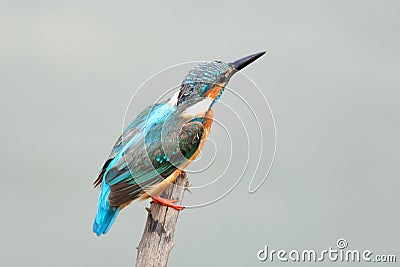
167 202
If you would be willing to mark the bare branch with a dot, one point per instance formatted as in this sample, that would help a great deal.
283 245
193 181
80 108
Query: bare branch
158 236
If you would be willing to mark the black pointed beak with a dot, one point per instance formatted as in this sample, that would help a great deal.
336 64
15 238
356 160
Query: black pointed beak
243 62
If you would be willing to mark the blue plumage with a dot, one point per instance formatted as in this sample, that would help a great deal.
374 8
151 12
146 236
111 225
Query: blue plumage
160 140
141 133
106 215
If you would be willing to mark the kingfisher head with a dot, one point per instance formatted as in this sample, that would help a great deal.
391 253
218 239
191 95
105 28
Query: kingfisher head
205 83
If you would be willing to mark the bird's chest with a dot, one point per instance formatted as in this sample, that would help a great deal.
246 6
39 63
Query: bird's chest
208 118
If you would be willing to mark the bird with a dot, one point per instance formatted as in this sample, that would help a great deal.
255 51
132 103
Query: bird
156 147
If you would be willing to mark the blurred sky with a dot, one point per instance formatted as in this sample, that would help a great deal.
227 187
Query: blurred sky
68 70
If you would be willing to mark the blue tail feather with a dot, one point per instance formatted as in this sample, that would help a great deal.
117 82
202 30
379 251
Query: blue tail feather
106 215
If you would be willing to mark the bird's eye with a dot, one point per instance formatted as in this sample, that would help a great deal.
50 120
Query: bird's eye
221 79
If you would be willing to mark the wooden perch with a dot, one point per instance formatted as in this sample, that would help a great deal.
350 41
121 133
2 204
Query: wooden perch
158 236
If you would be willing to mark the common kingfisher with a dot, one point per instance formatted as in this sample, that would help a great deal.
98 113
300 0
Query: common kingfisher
161 142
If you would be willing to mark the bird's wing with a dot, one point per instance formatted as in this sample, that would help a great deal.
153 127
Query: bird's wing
132 130
152 159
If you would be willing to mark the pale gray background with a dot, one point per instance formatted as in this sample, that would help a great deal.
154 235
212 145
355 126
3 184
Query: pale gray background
68 70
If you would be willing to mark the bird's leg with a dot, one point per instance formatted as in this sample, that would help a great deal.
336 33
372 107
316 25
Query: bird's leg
167 202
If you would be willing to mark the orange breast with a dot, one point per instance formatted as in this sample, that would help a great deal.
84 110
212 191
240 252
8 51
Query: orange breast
214 92
207 127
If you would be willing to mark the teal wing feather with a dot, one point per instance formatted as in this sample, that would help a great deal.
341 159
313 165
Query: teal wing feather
107 214
131 132
153 158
